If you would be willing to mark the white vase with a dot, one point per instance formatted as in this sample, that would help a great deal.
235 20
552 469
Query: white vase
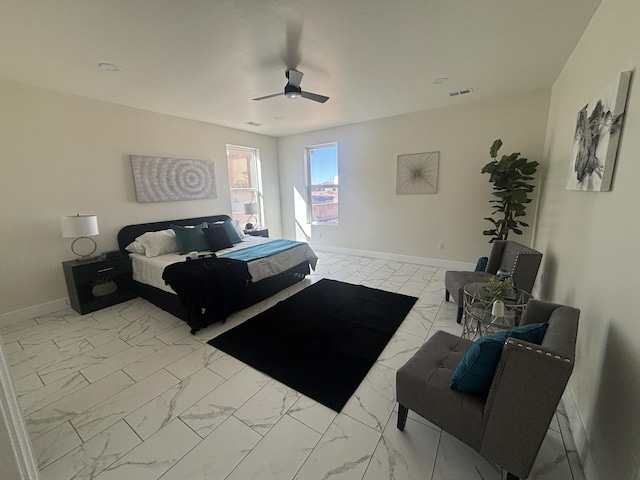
497 309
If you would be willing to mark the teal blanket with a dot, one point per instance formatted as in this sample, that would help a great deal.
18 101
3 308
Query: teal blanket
260 251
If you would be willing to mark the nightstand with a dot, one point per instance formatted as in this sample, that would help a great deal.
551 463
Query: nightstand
98 283
260 232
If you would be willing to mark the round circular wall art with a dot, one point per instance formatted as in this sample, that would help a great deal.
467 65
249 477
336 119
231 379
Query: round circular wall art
163 179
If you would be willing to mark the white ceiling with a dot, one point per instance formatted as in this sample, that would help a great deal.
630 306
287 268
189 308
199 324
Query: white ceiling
206 60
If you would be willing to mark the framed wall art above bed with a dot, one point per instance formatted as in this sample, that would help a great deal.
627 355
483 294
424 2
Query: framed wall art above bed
165 179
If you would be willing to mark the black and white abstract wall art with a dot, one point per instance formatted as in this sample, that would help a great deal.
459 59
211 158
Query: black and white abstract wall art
165 179
417 173
596 138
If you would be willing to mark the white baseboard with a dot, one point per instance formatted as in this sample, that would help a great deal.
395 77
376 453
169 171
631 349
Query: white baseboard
432 262
34 311
579 434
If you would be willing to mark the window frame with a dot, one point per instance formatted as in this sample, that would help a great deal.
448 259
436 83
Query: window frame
256 181
310 186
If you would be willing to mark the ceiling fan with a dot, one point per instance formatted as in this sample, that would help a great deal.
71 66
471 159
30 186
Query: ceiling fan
292 89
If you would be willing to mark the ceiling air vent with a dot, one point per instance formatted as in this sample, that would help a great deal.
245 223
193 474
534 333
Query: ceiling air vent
464 91
253 124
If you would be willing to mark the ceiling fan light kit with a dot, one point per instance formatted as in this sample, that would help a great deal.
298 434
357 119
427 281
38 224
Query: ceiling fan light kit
293 90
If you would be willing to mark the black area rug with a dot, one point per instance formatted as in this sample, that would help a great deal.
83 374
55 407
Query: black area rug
321 341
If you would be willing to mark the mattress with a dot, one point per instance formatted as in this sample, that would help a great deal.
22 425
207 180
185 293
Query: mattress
149 270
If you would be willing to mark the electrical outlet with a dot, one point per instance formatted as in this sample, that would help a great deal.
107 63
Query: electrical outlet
440 245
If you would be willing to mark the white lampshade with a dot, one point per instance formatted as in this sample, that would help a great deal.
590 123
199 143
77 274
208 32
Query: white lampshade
251 208
79 226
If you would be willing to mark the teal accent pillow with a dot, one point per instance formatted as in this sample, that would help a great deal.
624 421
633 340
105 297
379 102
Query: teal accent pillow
230 229
475 371
190 239
532 333
217 237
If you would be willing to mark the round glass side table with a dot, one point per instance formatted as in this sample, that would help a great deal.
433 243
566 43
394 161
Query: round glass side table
477 318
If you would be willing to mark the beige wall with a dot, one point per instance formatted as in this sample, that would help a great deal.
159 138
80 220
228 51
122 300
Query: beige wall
591 243
63 154
373 217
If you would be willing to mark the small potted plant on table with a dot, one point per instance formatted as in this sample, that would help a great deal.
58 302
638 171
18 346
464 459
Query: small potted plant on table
498 290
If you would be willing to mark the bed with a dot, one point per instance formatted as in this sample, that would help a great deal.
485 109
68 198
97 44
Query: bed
268 275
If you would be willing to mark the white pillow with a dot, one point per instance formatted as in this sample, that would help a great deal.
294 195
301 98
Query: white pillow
135 247
239 229
153 244
159 243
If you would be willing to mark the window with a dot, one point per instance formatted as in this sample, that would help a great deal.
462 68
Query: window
245 185
322 168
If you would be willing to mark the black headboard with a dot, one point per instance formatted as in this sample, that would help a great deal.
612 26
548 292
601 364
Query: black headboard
129 233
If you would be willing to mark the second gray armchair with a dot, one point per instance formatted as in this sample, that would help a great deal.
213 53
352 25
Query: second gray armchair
520 261
508 423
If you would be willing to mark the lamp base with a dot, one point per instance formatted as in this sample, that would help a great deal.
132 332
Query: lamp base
83 257
251 222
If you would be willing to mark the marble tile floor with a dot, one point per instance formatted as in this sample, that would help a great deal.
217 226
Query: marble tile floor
127 393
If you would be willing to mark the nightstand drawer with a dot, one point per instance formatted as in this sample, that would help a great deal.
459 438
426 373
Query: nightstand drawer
98 283
91 271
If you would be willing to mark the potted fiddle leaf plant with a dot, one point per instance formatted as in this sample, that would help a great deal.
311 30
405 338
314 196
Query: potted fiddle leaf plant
511 177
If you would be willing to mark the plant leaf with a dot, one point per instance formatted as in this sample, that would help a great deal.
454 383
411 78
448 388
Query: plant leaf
529 168
495 146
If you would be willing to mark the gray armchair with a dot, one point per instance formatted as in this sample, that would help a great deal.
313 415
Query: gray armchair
507 425
519 260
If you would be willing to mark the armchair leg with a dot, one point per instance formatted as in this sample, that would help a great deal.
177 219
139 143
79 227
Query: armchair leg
446 295
459 316
402 416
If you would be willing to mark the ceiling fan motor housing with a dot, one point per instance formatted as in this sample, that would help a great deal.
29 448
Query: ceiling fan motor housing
291 91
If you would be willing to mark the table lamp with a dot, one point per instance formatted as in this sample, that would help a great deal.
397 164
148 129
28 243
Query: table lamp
79 227
251 209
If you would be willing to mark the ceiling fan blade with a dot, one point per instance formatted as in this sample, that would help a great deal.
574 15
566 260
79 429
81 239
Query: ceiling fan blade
314 96
295 77
269 96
